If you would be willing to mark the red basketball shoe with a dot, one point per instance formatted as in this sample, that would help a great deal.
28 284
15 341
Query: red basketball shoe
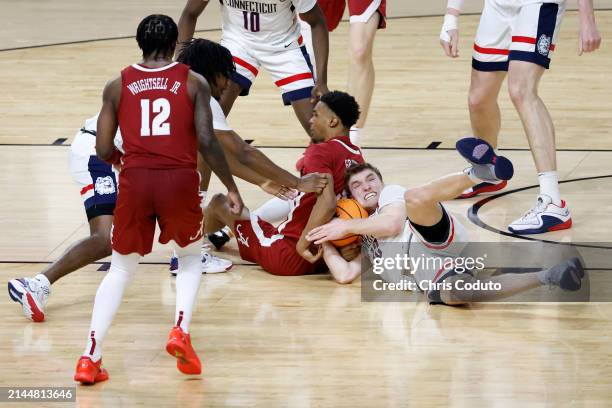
88 372
179 346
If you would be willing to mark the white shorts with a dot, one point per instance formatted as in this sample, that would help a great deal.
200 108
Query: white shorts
437 259
96 179
522 30
290 69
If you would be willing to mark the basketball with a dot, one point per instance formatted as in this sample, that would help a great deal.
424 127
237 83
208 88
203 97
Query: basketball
346 209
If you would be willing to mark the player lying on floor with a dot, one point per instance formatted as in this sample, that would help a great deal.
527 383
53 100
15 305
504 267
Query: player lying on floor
98 184
284 250
416 217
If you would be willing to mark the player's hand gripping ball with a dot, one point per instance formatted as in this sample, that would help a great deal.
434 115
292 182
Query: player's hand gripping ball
346 209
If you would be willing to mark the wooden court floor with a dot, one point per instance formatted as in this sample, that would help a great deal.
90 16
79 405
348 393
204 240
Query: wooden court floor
305 341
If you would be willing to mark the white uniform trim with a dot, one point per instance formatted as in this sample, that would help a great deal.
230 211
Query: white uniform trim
263 240
365 16
347 147
219 120
144 69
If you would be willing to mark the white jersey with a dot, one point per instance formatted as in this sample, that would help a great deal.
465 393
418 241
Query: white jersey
264 24
219 119
410 243
372 245
84 143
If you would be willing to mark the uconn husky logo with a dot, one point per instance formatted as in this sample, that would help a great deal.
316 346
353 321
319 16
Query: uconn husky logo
543 45
105 185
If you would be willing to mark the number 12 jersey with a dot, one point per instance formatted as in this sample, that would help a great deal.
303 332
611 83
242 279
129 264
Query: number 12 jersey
156 118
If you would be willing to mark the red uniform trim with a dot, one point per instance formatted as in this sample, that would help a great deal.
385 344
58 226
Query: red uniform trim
246 65
448 242
496 51
86 189
293 78
528 40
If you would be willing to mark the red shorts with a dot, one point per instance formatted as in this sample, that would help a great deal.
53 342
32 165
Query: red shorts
169 197
359 11
260 242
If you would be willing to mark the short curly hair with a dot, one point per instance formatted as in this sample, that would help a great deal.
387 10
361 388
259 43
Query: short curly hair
344 106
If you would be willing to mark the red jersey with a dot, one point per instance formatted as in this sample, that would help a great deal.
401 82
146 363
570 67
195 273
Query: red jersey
334 157
156 118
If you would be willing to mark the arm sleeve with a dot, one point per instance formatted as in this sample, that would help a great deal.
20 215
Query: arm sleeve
219 121
391 194
304 6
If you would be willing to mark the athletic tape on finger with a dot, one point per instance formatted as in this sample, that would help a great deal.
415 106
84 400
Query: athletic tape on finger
451 22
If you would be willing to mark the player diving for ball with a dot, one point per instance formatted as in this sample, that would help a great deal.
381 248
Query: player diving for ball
416 218
97 182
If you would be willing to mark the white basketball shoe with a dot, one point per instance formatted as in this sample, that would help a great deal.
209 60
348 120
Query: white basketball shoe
210 263
32 295
545 216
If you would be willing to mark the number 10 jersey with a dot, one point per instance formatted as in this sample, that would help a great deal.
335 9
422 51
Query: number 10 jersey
264 24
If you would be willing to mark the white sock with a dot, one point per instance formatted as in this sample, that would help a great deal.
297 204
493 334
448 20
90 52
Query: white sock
549 185
354 135
108 299
273 210
187 284
43 280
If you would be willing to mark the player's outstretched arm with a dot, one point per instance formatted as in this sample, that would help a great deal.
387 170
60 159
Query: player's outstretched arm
188 20
343 271
209 146
321 213
108 123
590 39
250 164
320 44
449 34
387 223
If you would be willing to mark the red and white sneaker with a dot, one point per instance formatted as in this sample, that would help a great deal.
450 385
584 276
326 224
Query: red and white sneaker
179 346
483 188
545 216
32 295
88 372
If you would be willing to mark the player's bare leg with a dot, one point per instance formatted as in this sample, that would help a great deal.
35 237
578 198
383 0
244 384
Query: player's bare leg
549 213
33 293
567 275
229 96
85 251
485 118
303 111
219 214
523 81
361 74
485 115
